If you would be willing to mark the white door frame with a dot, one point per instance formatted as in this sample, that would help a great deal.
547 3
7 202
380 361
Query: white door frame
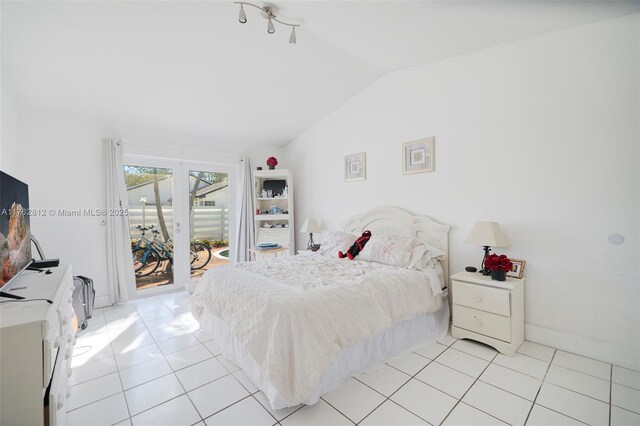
180 168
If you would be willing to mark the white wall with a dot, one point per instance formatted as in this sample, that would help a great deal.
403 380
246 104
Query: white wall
9 148
60 157
8 120
64 171
540 135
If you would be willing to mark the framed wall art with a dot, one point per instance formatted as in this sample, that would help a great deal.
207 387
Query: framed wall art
418 156
355 166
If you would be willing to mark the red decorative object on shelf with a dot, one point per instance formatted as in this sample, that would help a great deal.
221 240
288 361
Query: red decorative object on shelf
272 162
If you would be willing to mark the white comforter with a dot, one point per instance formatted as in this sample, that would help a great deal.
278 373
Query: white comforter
293 315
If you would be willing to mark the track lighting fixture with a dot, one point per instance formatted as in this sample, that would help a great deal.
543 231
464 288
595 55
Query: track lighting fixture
243 16
292 39
269 12
270 28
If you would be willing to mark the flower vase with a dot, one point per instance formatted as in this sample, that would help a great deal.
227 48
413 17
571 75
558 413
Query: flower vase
498 275
272 167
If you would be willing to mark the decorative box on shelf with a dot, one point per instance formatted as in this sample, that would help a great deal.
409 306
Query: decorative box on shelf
488 311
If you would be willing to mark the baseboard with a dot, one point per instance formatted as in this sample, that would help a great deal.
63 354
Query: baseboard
101 302
190 286
623 356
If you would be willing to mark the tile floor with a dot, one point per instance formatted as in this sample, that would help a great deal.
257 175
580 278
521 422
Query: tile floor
148 363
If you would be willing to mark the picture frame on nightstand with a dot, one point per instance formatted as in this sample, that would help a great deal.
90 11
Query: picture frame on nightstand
517 270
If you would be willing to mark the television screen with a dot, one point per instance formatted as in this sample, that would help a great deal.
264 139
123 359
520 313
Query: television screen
15 235
275 185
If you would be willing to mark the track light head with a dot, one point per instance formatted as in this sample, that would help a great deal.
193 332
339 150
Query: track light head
270 13
243 16
292 39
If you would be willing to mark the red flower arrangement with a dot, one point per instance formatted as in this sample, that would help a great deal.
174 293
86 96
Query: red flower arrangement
493 262
272 161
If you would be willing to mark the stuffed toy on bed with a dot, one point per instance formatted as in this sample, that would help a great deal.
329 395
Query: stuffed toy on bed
356 247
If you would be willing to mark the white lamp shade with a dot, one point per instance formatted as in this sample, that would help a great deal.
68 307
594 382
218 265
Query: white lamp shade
487 234
310 226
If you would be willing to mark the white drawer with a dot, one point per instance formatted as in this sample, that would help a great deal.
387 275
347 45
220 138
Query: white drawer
58 335
488 324
50 345
59 389
481 297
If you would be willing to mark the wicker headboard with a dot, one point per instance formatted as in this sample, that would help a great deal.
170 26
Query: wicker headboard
394 220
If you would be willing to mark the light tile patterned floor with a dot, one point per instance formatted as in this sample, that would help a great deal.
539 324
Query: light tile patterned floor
148 363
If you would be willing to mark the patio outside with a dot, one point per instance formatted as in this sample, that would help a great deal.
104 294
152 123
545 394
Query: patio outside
164 274
151 223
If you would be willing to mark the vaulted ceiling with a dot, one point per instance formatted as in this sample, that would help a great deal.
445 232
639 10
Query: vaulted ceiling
191 67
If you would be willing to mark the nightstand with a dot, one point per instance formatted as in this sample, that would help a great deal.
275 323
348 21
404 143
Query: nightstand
488 311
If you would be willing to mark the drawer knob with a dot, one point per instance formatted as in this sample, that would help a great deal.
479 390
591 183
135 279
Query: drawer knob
478 321
65 321
69 339
69 373
477 298
60 404
56 343
68 392
67 354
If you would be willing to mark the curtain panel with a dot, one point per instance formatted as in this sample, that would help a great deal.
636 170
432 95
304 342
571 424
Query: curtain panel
245 235
120 276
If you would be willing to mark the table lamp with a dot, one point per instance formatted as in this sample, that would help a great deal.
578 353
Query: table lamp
487 234
310 226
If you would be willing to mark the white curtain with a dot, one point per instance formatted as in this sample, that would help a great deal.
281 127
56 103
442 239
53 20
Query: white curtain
245 235
120 275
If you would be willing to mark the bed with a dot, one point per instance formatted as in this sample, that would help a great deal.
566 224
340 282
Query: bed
298 326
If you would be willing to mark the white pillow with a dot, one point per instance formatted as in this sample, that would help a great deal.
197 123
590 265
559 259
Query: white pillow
425 255
394 250
335 241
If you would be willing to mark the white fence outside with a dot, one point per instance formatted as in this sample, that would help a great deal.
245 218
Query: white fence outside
206 223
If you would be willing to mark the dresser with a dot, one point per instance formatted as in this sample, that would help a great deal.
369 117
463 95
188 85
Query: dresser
488 311
36 344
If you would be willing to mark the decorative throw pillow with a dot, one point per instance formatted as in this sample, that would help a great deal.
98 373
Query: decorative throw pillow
394 250
336 241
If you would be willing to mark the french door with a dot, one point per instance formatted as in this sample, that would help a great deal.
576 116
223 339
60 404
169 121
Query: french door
181 220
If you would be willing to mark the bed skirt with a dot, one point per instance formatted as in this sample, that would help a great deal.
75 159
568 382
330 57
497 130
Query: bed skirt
405 336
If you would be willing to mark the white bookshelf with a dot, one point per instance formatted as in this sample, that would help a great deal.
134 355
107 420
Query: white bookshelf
283 230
